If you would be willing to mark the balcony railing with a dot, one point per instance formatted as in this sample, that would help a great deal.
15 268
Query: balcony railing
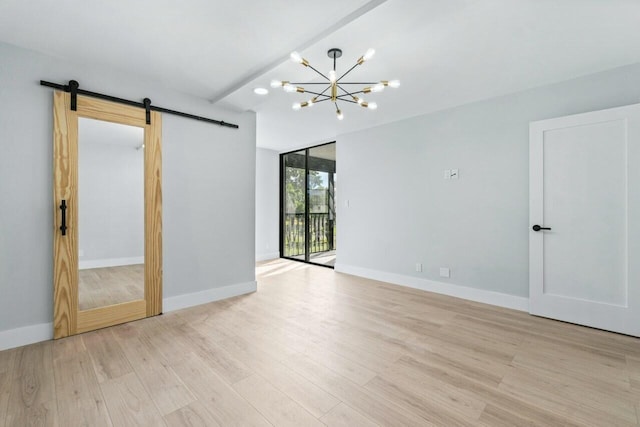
321 233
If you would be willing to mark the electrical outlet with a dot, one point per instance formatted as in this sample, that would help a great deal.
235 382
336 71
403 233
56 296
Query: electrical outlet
445 272
418 267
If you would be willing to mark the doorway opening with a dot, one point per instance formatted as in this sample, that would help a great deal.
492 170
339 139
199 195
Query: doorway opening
307 205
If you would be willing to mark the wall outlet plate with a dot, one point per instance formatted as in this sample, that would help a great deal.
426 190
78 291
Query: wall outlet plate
447 174
418 267
445 272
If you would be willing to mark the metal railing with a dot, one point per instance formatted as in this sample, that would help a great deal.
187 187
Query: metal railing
321 233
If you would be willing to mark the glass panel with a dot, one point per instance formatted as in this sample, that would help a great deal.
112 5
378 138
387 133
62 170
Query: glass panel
322 212
110 213
294 205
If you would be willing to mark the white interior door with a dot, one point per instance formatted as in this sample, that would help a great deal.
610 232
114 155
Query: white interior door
585 187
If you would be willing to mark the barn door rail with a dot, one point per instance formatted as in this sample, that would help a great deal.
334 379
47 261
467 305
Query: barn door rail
73 87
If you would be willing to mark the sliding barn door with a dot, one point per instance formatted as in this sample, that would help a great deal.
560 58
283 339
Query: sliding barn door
107 214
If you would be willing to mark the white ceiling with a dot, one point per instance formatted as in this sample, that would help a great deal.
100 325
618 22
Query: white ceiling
445 52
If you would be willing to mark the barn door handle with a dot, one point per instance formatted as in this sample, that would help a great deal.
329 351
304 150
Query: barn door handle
538 228
63 208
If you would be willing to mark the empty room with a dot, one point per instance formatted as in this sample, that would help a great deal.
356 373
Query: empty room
336 213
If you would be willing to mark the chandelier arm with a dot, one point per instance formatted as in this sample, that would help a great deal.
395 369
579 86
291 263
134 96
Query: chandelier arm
324 83
352 93
346 92
348 71
317 93
322 93
310 66
323 99
347 100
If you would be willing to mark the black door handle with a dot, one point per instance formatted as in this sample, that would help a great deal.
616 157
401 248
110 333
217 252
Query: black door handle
63 208
538 228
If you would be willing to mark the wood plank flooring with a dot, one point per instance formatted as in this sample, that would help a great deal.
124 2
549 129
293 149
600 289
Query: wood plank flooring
313 347
99 287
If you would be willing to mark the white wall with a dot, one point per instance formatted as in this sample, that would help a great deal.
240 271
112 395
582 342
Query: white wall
267 204
208 188
402 212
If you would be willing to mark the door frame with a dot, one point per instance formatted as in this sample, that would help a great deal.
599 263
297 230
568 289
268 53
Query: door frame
306 205
68 319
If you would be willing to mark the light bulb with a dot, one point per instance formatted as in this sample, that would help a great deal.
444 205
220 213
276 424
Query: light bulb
340 115
260 91
369 54
296 106
377 88
289 88
311 102
276 83
372 106
360 101
295 57
332 76
394 84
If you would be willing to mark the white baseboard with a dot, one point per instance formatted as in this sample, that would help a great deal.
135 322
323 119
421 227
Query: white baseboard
267 256
473 294
26 335
110 262
44 331
210 295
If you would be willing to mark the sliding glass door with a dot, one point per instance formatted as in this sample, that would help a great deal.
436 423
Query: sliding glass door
308 215
294 206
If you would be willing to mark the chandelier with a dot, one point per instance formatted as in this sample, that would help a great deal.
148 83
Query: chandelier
336 90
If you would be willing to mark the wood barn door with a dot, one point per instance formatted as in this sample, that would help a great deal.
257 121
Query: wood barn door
72 315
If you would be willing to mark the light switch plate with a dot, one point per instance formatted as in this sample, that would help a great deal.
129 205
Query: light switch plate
454 173
447 174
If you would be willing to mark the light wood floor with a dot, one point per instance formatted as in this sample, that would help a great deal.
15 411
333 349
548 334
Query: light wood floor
326 258
100 287
316 347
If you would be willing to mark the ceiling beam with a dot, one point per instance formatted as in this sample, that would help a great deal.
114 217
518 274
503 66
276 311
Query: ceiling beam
273 64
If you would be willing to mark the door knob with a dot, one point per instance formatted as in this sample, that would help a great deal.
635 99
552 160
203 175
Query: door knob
538 228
